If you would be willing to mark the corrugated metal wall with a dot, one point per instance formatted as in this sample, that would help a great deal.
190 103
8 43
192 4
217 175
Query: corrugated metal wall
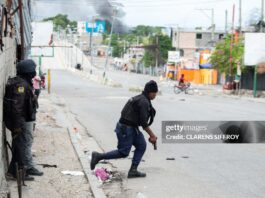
247 80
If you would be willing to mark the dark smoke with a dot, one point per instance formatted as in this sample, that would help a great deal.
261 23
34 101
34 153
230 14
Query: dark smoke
105 10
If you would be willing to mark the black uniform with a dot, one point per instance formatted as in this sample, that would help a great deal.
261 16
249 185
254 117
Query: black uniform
138 111
19 103
19 108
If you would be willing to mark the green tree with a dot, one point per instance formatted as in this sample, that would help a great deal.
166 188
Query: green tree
145 35
220 59
117 44
61 21
149 58
165 45
142 30
161 45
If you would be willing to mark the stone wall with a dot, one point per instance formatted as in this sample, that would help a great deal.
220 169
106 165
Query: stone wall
7 68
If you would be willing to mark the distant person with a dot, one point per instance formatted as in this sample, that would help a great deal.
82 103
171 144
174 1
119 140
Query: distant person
36 85
125 67
138 111
20 107
43 81
182 81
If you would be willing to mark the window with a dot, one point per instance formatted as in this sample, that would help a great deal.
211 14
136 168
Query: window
199 36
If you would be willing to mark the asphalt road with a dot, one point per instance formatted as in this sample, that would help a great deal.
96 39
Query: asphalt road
199 170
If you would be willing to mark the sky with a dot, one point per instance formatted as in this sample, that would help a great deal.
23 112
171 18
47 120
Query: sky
169 13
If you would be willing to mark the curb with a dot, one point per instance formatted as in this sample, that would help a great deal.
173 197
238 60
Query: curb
96 78
72 127
94 184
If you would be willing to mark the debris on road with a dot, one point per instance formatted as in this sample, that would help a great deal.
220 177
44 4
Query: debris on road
103 174
48 166
73 173
185 157
140 195
170 158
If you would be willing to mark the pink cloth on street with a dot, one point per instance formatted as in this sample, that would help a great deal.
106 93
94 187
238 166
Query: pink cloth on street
36 82
102 174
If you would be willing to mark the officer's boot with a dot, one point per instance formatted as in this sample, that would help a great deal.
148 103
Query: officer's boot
134 173
95 158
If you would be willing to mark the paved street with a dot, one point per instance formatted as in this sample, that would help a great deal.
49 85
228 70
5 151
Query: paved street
199 170
70 67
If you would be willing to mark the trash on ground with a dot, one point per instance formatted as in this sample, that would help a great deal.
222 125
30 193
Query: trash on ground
103 174
185 157
73 173
48 166
171 158
140 195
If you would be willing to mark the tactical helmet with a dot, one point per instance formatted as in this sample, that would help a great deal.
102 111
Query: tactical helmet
26 66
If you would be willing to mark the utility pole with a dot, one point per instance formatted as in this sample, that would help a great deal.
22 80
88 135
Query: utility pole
91 41
178 38
21 21
213 27
157 52
262 16
76 57
226 21
124 48
109 44
240 17
137 62
231 45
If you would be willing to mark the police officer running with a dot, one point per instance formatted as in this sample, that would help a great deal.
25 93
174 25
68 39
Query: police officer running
20 106
138 111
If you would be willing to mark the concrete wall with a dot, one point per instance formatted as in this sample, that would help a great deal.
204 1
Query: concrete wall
206 39
184 40
189 40
7 68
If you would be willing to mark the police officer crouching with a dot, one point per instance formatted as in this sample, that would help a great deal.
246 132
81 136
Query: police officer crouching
20 107
138 111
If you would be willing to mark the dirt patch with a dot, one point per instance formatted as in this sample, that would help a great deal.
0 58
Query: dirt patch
53 146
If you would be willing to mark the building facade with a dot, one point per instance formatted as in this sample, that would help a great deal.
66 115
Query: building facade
191 41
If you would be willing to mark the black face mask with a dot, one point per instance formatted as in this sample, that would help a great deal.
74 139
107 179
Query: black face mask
33 74
29 76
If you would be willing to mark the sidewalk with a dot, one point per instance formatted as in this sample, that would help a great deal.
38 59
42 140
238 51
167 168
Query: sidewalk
52 146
